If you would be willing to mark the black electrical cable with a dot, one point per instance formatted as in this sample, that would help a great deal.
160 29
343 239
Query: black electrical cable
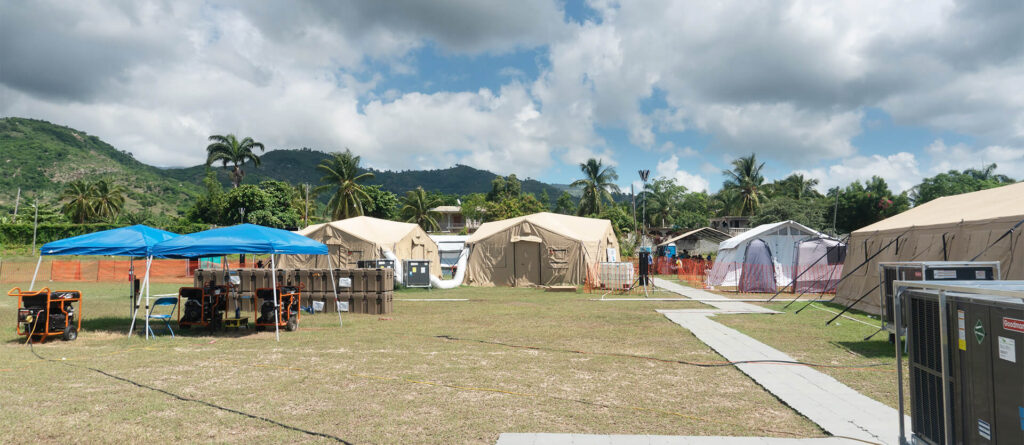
681 362
189 399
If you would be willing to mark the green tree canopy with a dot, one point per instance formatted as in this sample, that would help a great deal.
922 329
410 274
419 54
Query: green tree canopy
955 182
229 150
746 181
382 203
862 204
809 212
565 205
597 184
417 207
341 173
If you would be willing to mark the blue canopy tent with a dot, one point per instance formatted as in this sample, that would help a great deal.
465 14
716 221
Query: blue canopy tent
245 238
131 241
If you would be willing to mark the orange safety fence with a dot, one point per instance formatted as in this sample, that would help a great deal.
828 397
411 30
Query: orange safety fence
162 270
693 271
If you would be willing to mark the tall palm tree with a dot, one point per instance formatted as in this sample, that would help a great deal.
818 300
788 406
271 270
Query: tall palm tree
797 186
341 173
108 200
418 208
79 206
229 150
746 179
597 186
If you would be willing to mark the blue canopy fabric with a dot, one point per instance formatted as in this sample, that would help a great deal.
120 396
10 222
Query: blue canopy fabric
135 240
243 238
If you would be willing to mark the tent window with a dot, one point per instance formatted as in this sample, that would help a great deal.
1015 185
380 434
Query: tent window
837 255
558 256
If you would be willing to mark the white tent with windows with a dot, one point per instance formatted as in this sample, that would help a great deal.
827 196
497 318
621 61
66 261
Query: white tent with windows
762 259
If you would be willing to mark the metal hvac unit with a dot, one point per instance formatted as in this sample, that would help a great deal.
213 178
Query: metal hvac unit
376 264
965 346
928 271
417 273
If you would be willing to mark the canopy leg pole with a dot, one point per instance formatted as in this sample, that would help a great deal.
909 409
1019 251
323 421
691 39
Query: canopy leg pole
137 298
34 274
334 285
277 309
149 262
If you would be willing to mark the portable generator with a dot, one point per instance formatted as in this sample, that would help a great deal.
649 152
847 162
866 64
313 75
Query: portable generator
288 313
44 313
204 306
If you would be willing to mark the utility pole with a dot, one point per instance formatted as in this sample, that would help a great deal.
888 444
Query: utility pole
644 174
17 199
35 225
835 212
305 215
632 196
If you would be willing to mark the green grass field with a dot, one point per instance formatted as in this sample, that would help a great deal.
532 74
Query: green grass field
391 379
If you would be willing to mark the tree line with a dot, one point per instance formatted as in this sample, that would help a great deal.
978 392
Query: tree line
662 202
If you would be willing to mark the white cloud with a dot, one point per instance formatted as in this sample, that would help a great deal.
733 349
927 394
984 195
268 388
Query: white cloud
900 171
1009 160
669 168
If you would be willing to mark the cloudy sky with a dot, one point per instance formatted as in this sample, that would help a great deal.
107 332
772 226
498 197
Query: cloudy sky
839 90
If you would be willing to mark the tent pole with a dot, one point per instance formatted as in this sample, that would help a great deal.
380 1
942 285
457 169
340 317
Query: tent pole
136 298
334 285
34 274
277 309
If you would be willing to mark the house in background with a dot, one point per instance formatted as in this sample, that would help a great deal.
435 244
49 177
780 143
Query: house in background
452 221
732 225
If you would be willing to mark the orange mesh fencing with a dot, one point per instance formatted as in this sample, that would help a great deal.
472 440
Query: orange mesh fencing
694 271
101 270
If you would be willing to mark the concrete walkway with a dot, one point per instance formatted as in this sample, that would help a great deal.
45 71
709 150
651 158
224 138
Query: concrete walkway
613 439
717 301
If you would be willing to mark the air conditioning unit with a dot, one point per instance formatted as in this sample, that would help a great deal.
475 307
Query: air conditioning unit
376 264
888 272
965 342
417 273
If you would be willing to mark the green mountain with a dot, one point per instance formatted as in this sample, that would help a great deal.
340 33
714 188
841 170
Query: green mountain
40 158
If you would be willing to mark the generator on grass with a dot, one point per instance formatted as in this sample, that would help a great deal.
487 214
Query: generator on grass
204 306
43 314
288 312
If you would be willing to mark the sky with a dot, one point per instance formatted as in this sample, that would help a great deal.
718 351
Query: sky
835 90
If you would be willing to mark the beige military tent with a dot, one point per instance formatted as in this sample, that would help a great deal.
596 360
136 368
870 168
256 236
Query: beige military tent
538 249
953 228
365 238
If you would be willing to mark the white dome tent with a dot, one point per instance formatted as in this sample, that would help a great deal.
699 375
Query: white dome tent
762 259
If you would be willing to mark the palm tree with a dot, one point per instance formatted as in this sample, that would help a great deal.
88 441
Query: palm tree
79 195
796 186
418 209
228 149
746 179
107 200
659 199
597 186
341 173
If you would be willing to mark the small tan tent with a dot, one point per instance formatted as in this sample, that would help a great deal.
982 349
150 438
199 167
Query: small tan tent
952 228
365 238
538 249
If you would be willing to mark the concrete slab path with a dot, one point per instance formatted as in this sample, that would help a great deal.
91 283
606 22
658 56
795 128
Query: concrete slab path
613 439
708 298
835 407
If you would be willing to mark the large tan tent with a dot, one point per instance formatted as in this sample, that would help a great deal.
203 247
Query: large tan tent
953 228
365 238
538 249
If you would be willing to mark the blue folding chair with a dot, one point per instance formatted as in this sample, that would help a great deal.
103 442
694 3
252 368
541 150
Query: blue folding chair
164 301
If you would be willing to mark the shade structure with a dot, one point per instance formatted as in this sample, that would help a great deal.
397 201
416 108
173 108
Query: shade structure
541 249
243 238
135 241
980 226
366 238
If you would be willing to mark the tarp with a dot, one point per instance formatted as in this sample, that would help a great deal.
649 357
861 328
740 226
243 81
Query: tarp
781 238
951 228
243 238
134 240
538 249
365 238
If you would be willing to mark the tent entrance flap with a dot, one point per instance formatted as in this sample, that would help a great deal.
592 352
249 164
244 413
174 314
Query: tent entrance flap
527 262
758 273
